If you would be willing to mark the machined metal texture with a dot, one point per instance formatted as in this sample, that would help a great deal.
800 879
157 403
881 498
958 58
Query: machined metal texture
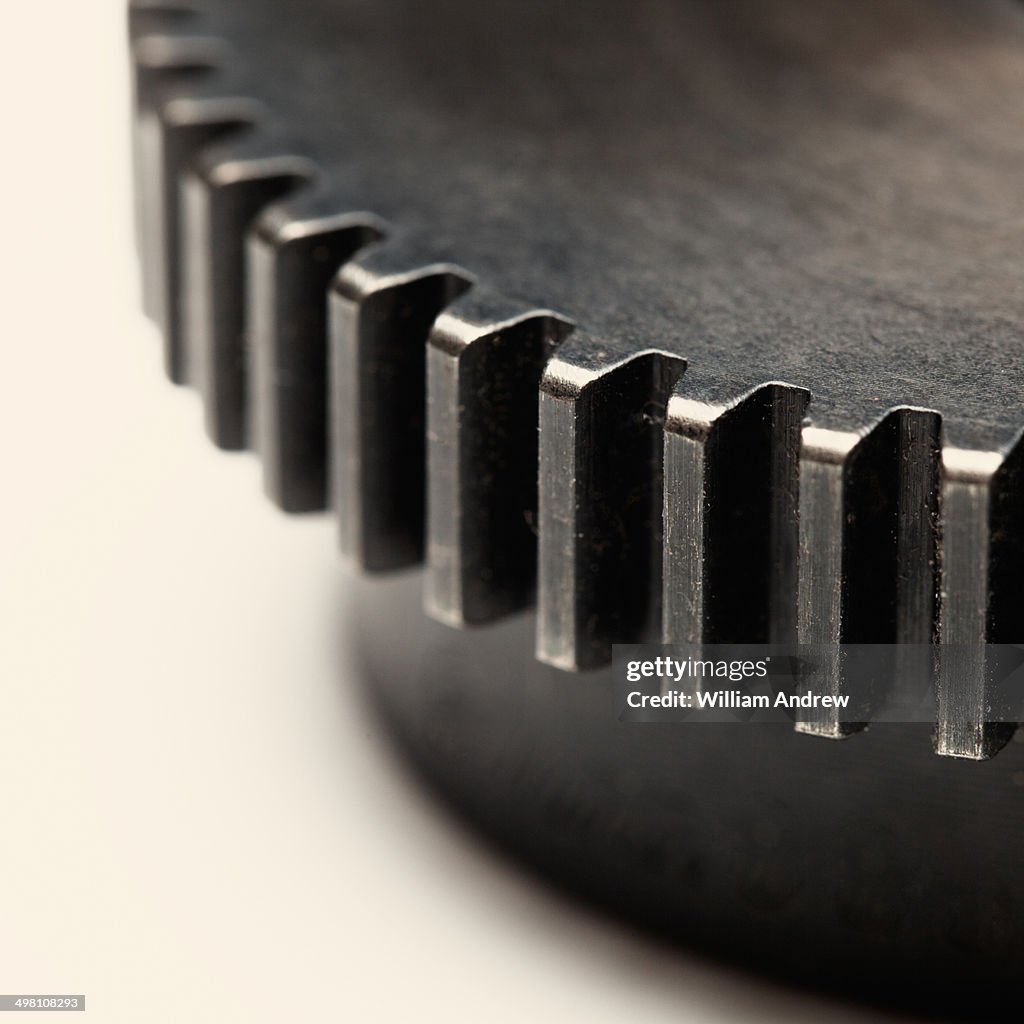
751 269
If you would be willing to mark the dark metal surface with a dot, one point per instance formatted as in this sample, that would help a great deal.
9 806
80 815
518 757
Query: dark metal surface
870 868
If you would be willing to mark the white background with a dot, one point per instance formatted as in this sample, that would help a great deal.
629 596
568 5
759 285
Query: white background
198 822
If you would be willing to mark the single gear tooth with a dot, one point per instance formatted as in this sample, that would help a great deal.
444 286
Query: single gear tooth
484 364
982 563
868 515
149 16
158 62
161 51
602 411
222 195
731 516
295 251
382 307
160 59
171 134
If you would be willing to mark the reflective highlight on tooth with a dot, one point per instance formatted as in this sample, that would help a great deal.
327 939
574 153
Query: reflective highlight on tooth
600 501
981 560
868 513
294 254
382 306
170 136
146 17
222 197
158 62
731 519
484 364
161 60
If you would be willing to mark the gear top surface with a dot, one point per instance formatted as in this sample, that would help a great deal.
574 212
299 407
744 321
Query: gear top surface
795 191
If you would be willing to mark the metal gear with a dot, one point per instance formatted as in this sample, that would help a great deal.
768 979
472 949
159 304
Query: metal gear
752 269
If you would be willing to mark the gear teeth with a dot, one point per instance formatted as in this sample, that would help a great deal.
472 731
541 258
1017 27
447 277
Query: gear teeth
868 514
731 517
295 251
982 560
222 195
484 364
602 410
735 523
382 307
171 134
